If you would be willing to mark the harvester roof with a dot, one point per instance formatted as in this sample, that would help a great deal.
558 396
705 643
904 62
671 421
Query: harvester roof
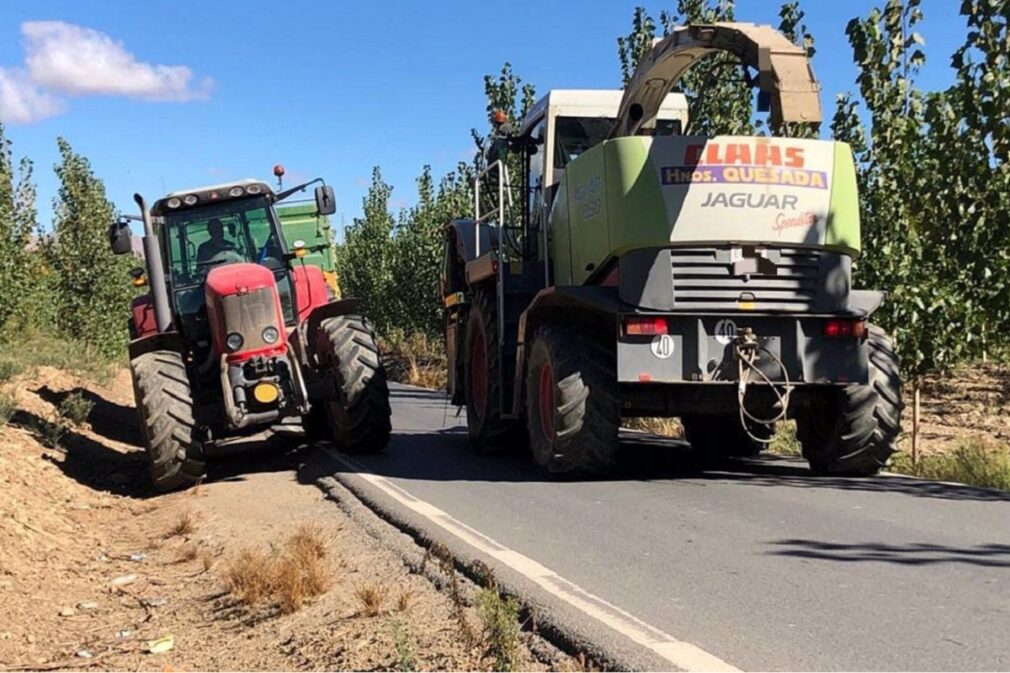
595 103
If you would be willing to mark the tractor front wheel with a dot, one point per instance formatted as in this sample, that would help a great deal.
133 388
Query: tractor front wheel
571 403
165 412
488 431
853 431
359 419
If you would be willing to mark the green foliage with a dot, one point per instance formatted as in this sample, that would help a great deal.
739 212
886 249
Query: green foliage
934 184
973 462
784 441
365 258
92 288
19 272
500 617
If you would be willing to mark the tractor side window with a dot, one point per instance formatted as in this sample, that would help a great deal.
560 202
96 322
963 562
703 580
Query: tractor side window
535 186
575 135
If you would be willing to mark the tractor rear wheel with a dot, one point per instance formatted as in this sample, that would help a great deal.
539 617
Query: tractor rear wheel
722 436
488 431
359 417
853 432
165 412
572 410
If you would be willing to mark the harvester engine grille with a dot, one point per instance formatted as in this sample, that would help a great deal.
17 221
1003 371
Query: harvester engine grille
777 279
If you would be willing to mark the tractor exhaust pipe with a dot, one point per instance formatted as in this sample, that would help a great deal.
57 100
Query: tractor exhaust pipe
155 269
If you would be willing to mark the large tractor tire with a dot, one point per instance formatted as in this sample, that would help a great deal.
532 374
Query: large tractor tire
165 412
359 419
854 431
488 431
722 436
572 411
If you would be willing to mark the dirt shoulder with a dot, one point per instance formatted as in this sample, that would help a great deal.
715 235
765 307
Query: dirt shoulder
94 567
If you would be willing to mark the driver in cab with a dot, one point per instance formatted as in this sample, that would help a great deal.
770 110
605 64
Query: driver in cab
216 245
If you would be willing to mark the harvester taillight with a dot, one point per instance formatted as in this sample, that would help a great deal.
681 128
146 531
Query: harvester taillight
845 328
645 326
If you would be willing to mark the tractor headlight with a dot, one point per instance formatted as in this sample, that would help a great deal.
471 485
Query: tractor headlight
253 189
236 191
234 341
174 202
190 199
270 334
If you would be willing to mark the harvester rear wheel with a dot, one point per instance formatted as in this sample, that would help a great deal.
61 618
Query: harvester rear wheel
165 413
359 418
572 410
854 432
488 431
722 436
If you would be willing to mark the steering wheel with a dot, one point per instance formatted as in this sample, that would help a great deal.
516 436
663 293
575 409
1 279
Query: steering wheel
221 257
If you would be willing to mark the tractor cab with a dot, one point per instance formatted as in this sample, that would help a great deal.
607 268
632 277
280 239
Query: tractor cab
220 225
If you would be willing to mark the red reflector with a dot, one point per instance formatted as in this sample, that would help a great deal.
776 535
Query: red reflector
855 329
644 326
645 378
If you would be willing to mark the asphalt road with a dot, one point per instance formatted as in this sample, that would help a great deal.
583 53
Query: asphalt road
758 563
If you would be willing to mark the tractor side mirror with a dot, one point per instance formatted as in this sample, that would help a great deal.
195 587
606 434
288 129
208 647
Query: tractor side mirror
120 237
326 202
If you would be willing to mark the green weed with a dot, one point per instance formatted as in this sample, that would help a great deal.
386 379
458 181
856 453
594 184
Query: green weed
784 441
500 616
8 406
75 408
974 462
406 660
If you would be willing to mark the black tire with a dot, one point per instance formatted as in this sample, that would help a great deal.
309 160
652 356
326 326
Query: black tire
573 375
165 412
488 431
854 431
722 436
359 419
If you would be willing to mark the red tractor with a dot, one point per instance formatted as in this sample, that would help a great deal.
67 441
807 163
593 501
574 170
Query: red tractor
238 333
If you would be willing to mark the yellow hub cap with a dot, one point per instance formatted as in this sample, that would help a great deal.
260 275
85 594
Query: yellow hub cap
265 393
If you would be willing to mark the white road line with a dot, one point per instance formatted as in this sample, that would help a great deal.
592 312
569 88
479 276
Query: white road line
679 653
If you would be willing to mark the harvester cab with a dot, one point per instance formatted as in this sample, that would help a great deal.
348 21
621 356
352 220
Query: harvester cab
238 333
616 267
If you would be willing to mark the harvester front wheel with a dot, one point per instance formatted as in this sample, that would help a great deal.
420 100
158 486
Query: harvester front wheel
488 431
722 435
854 431
165 412
359 418
572 410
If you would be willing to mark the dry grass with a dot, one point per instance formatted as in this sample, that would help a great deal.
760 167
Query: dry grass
288 576
184 526
404 599
784 441
664 427
250 576
415 359
188 553
371 596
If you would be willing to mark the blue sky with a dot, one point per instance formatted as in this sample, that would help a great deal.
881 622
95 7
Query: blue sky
332 89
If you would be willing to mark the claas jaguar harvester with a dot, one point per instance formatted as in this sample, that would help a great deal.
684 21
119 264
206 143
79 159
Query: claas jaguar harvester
238 333
618 266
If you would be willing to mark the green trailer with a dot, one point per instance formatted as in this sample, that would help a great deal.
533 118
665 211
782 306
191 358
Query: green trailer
301 221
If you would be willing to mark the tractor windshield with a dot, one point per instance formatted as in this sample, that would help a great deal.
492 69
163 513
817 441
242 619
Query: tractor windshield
575 135
200 239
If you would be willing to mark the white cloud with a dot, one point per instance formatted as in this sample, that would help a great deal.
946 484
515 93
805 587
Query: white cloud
22 102
81 61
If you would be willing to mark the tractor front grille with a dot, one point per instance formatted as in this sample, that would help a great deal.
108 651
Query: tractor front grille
755 278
